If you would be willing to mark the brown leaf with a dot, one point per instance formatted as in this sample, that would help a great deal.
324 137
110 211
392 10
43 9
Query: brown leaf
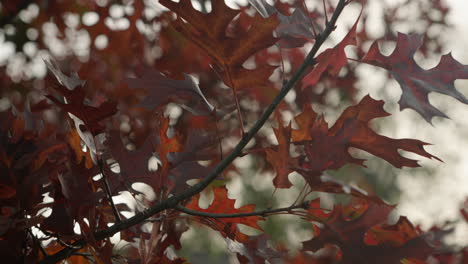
347 227
279 156
222 204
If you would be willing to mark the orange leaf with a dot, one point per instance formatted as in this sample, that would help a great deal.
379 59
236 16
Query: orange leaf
222 204
280 158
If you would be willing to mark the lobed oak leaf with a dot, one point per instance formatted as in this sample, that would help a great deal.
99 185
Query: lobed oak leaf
416 82
162 90
133 163
347 227
208 31
222 204
71 88
332 59
87 119
304 121
167 144
293 30
78 189
253 81
328 148
395 235
74 141
279 156
199 144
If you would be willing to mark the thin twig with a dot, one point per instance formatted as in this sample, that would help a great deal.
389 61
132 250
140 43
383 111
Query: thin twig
306 10
325 11
236 99
59 240
265 212
172 201
108 192
37 242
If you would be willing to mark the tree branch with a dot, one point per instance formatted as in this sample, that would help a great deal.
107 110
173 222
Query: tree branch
37 242
304 205
172 201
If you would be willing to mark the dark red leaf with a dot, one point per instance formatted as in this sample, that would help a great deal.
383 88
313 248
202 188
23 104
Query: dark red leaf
415 81
328 148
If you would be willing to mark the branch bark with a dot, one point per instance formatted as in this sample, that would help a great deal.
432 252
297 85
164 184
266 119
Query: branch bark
173 201
265 212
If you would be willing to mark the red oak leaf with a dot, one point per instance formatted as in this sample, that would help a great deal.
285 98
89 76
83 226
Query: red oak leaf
415 81
280 158
167 145
348 226
161 90
395 235
332 59
222 204
294 30
133 164
208 31
304 121
328 148
71 88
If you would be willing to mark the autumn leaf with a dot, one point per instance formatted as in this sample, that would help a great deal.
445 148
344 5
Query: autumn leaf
133 164
162 90
395 235
328 148
74 141
415 81
279 156
208 31
222 204
71 88
87 119
304 121
294 30
347 227
332 60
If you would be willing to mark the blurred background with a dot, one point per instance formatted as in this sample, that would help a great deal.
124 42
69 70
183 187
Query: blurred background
103 39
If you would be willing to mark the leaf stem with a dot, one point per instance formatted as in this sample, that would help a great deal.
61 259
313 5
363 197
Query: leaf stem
173 201
108 192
